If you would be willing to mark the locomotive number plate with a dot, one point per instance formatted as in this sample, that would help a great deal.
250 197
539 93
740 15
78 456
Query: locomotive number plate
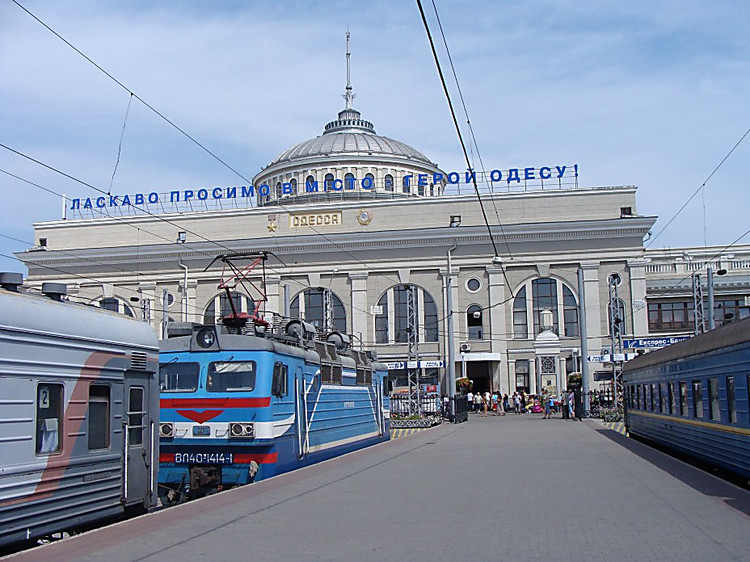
203 458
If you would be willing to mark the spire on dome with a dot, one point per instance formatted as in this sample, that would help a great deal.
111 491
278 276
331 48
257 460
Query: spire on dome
348 96
350 120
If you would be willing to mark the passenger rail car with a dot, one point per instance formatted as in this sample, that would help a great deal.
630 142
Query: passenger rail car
692 397
78 413
242 407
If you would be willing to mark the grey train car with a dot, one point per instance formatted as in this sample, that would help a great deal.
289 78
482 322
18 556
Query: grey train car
79 414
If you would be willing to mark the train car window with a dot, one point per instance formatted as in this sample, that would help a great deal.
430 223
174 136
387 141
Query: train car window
652 398
386 387
697 399
731 407
638 392
279 385
659 397
664 395
135 416
671 400
49 399
178 377
714 412
98 418
231 376
683 399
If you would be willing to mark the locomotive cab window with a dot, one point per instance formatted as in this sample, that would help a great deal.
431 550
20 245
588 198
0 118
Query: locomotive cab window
231 376
49 418
178 377
279 386
98 419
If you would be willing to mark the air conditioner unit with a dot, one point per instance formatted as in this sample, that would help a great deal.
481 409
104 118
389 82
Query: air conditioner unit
465 347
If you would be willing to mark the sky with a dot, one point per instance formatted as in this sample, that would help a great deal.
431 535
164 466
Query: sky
647 93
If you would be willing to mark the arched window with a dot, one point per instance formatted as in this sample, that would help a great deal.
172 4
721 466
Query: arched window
406 184
570 312
474 322
220 303
371 183
310 308
349 181
309 181
520 323
116 305
278 190
293 181
392 322
329 182
388 182
619 318
544 297
546 294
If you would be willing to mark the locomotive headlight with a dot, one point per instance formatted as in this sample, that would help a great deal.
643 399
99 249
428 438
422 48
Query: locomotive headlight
166 429
241 429
205 337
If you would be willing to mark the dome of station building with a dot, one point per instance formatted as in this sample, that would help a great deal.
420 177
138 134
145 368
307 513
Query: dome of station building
348 160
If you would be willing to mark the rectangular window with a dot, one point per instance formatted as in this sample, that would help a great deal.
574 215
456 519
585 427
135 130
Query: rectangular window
653 398
683 399
674 315
279 385
98 417
697 399
231 376
638 401
731 407
671 398
659 398
49 400
135 416
522 375
178 377
664 398
714 411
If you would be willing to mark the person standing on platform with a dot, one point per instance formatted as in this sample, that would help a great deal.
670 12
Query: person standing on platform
564 404
470 400
517 402
506 404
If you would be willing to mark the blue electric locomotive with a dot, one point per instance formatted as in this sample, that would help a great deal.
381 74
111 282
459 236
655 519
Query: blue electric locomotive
692 397
238 407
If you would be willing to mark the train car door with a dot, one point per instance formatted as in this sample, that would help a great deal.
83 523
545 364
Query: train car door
138 435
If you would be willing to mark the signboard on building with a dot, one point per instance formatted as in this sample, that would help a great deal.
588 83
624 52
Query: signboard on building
608 358
652 343
413 365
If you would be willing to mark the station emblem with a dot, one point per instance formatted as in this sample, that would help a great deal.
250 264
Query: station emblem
364 216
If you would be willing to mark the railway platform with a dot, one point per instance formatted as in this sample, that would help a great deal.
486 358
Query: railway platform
495 488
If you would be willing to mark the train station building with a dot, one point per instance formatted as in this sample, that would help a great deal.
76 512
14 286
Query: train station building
366 235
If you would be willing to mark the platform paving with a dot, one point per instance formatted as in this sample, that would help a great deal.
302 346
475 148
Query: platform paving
494 488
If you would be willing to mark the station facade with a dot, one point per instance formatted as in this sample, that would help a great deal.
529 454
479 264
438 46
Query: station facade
367 236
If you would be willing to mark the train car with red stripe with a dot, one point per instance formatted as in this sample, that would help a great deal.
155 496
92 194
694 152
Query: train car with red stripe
78 413
240 406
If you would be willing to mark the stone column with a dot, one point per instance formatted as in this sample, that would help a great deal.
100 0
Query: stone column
148 301
359 311
188 310
496 318
639 308
273 304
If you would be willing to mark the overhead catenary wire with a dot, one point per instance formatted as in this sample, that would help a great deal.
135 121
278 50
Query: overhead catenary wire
455 122
119 83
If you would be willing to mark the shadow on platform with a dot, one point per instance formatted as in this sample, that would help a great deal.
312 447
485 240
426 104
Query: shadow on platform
699 479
